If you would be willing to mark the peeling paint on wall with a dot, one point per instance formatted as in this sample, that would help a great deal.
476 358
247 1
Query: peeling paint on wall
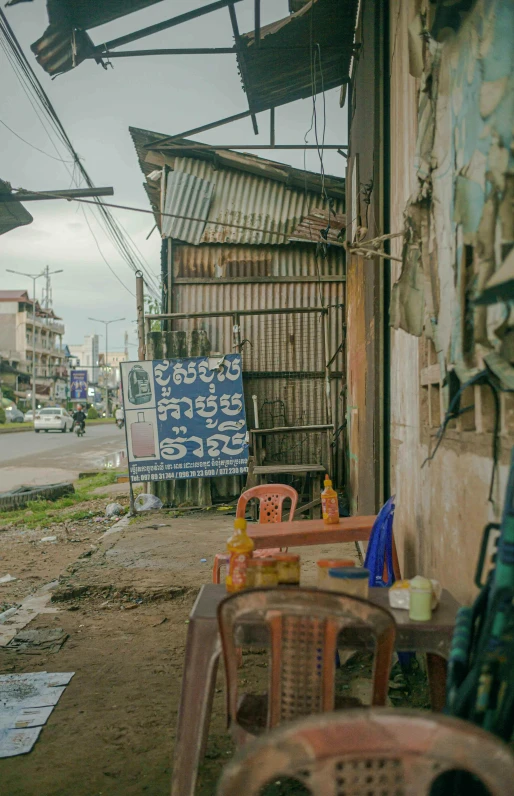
465 170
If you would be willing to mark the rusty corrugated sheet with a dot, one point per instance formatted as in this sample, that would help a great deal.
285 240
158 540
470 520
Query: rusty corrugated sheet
273 77
226 261
320 225
65 44
261 350
249 201
186 195
152 153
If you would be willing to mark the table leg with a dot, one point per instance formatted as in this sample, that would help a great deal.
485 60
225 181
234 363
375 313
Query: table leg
436 670
203 648
316 494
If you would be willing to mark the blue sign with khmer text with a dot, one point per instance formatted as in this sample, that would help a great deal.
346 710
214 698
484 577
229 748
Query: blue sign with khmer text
185 418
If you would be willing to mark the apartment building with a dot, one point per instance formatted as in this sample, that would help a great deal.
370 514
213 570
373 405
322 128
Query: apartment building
23 331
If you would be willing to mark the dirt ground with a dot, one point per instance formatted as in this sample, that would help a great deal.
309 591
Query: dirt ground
124 597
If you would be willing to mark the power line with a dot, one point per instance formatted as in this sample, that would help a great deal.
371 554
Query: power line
30 83
47 154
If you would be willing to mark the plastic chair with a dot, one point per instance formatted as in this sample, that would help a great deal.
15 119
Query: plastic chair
271 499
376 752
303 625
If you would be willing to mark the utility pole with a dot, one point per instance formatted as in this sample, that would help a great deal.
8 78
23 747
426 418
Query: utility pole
47 291
106 324
126 346
34 277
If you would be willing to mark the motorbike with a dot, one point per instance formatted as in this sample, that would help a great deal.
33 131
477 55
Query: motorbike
120 422
79 429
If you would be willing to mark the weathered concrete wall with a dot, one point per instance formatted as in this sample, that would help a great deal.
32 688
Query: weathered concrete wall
442 508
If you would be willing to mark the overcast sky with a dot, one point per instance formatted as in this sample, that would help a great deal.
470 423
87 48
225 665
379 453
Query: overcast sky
166 94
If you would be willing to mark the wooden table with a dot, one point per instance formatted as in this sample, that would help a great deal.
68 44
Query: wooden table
203 650
308 532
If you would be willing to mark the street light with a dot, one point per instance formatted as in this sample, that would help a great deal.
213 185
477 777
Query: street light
106 323
34 277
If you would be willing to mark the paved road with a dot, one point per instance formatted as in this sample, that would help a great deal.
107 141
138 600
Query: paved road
29 458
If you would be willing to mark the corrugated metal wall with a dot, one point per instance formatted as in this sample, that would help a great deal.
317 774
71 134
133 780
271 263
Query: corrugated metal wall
236 269
266 205
227 261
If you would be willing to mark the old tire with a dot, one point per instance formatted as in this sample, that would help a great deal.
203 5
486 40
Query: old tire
37 430
18 498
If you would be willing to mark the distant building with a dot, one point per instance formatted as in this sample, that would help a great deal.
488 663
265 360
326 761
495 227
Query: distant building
18 335
86 356
113 361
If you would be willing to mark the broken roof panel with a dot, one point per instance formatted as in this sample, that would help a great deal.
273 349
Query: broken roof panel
320 225
254 201
320 33
65 43
12 214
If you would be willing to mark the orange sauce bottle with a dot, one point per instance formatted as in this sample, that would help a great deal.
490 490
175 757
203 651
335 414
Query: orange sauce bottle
240 547
329 504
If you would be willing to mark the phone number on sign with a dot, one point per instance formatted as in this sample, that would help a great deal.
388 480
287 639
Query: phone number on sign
149 473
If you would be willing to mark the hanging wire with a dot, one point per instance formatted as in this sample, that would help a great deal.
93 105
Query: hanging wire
31 85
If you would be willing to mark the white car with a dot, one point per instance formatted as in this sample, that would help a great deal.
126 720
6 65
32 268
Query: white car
29 416
53 419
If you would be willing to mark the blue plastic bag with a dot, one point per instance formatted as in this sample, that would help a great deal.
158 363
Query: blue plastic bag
380 547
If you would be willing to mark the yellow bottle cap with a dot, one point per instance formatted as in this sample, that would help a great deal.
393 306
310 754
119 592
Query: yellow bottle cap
328 482
240 524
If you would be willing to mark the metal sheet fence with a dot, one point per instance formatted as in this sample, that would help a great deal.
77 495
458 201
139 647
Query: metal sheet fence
285 377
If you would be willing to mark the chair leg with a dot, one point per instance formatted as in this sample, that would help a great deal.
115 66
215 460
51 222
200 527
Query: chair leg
436 669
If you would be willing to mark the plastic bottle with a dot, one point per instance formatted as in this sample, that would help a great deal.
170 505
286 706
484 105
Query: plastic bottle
329 504
240 548
420 603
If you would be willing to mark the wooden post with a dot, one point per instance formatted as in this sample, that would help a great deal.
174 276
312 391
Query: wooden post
140 304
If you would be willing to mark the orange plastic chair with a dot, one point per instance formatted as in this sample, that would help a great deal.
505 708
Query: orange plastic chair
271 499
374 751
303 626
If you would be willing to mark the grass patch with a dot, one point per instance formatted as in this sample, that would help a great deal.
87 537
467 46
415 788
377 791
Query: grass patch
45 512
7 428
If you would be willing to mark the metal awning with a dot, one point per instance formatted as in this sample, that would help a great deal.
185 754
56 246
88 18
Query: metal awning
65 43
279 68
12 214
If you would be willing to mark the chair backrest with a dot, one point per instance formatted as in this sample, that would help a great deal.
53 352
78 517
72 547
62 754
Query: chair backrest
304 625
375 751
271 498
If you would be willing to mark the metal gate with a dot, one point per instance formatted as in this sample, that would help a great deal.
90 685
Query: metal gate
293 375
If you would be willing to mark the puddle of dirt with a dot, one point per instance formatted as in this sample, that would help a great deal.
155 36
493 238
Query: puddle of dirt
113 461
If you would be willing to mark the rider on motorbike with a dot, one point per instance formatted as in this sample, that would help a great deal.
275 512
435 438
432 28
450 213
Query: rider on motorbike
120 417
79 417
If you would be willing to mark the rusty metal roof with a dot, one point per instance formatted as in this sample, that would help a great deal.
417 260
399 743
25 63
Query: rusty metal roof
272 77
12 214
243 162
320 225
253 201
65 43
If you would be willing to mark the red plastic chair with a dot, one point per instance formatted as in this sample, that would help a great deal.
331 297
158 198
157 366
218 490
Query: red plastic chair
271 499
303 627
